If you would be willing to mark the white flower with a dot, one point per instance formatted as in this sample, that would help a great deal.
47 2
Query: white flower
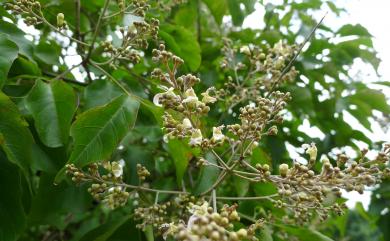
281 49
199 210
171 228
157 97
167 136
217 134
116 169
252 146
191 97
245 50
106 165
207 98
196 138
311 150
187 123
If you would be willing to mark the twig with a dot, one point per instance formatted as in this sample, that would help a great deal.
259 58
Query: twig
97 28
287 68
214 195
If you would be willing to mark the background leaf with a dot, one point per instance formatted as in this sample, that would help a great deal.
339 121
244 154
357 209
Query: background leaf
9 51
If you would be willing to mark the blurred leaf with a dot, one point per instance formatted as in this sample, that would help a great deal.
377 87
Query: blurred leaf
58 205
13 217
47 52
208 175
304 234
349 29
181 154
105 231
17 36
9 51
217 9
15 138
374 98
183 43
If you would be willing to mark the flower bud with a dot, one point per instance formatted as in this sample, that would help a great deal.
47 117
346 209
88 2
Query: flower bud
60 20
283 169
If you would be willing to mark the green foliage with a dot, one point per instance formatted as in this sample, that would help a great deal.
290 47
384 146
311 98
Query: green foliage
50 116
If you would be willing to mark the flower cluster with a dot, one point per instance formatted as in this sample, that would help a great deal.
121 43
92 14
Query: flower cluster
29 9
160 214
106 188
261 70
134 37
256 117
207 224
183 106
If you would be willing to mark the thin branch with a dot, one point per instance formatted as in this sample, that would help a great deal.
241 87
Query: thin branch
214 195
43 19
72 81
287 68
269 197
97 29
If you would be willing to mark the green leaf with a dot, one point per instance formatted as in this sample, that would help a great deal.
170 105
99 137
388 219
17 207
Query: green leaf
105 231
181 154
374 98
208 175
98 131
9 51
217 9
349 29
23 66
58 205
304 234
15 138
235 11
266 234
102 88
183 43
13 217
47 52
17 36
52 107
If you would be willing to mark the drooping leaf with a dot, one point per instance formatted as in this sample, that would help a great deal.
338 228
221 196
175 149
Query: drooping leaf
17 36
15 138
181 154
183 43
58 205
13 217
217 9
304 234
52 107
104 232
9 51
